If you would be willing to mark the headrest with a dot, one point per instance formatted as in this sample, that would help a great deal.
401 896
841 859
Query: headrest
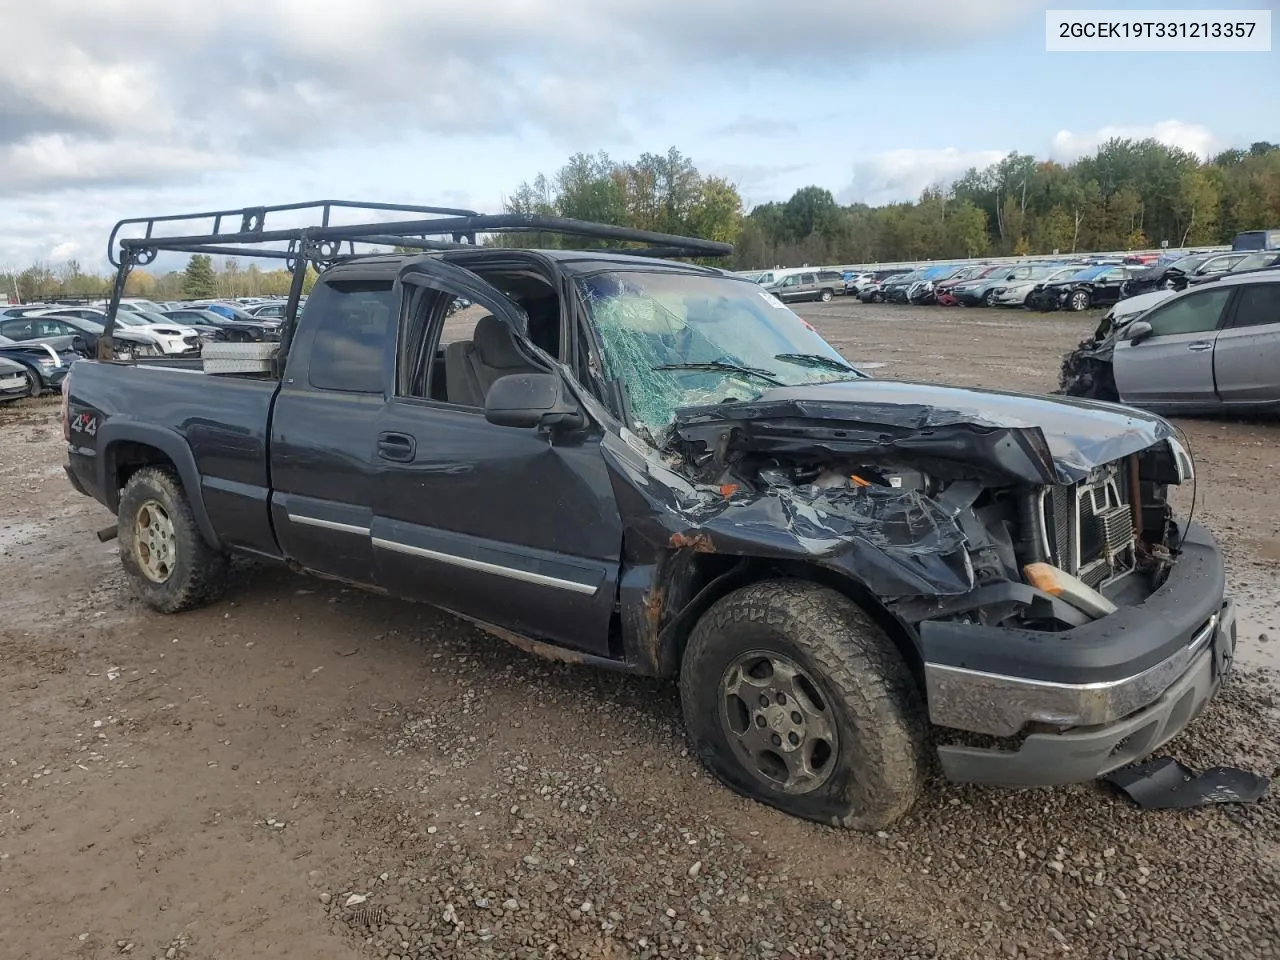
496 345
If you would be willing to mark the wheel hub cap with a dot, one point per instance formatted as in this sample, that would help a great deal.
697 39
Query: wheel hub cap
154 542
778 721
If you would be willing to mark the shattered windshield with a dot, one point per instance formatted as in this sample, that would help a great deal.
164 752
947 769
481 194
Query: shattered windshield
678 340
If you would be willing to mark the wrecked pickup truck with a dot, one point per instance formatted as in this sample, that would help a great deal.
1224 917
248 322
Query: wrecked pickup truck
617 459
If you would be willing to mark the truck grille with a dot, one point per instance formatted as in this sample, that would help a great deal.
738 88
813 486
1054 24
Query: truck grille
1089 527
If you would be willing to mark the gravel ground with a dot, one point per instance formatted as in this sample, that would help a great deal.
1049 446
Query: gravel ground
304 770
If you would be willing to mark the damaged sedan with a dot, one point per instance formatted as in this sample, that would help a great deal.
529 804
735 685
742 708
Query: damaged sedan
1215 346
652 466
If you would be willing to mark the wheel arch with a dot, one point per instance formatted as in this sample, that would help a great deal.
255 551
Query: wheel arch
125 448
690 583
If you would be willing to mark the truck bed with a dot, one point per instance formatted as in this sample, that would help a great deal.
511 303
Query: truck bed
214 429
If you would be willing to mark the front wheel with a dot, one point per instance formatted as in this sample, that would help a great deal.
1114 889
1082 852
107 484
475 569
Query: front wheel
1079 301
35 386
989 298
826 296
795 697
171 566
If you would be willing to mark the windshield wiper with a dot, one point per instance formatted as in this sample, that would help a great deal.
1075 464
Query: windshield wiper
725 367
817 360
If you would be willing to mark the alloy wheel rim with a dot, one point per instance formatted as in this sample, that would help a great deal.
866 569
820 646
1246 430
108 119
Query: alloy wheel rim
779 722
154 541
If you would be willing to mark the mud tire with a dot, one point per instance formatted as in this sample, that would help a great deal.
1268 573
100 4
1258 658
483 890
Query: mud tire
199 572
880 763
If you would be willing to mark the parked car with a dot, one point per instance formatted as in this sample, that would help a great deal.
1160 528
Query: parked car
13 380
1094 286
854 282
45 362
41 326
168 338
272 310
651 467
1017 292
896 288
923 290
1174 276
234 312
232 331
1256 240
810 285
981 292
1214 346
24 309
943 290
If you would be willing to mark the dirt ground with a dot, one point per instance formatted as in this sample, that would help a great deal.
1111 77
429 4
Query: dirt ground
303 770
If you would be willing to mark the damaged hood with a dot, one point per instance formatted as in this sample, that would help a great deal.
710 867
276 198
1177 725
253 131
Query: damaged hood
981 434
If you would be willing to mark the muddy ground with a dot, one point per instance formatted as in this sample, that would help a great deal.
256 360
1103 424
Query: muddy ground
306 771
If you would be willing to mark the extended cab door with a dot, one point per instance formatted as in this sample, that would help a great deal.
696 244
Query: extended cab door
514 527
1173 367
323 425
1246 357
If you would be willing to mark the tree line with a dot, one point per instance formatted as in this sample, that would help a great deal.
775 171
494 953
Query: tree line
202 278
1129 195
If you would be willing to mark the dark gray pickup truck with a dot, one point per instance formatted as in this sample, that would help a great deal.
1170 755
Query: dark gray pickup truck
618 459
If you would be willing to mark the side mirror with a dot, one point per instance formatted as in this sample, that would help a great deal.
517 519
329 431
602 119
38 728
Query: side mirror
1138 331
531 400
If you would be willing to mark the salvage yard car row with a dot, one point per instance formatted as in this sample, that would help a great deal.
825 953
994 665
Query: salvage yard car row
39 341
1073 284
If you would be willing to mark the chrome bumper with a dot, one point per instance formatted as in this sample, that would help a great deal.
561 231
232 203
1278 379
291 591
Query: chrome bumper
1001 706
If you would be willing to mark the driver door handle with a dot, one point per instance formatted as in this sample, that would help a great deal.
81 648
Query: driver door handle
397 446
1199 345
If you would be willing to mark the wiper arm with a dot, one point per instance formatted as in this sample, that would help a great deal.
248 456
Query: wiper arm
725 367
817 360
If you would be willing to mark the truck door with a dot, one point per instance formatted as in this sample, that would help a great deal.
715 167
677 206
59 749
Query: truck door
1173 367
1246 357
324 421
514 527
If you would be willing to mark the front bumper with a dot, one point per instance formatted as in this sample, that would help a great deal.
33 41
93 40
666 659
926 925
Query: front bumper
1093 698
13 387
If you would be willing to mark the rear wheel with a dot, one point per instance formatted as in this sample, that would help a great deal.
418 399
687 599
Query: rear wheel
171 566
793 696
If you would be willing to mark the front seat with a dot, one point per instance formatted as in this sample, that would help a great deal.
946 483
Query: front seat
471 367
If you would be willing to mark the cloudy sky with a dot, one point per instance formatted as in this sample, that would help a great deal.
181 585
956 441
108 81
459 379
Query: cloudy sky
117 108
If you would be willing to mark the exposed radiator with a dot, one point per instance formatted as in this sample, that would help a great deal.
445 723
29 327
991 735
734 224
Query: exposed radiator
1089 527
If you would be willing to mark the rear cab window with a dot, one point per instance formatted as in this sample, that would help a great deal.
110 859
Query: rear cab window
349 322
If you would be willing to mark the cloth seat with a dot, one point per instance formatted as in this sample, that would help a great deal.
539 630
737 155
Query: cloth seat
472 366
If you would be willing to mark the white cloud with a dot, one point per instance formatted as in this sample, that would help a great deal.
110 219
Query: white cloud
276 75
897 175
1192 137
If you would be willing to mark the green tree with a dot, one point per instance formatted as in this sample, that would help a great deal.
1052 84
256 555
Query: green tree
198 279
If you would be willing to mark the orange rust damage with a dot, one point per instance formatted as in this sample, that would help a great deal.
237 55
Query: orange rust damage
699 542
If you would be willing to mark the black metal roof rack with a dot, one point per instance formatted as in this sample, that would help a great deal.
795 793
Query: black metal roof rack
319 244
442 228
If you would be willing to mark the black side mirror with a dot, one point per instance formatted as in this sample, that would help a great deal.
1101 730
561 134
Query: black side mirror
79 345
531 400
1138 331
